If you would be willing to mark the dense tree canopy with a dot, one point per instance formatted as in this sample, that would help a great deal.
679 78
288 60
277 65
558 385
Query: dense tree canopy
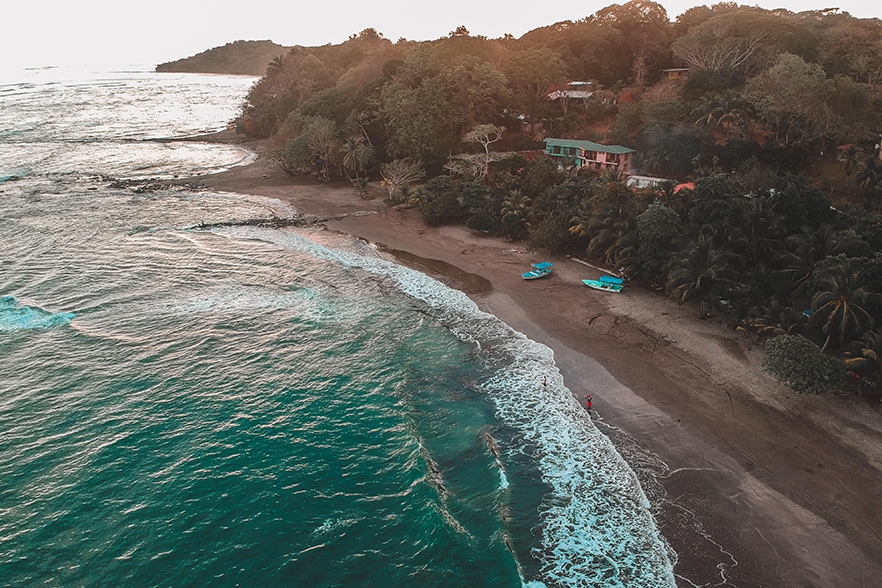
769 84
745 226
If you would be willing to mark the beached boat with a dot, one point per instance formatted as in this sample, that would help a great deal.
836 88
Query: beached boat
598 285
606 284
539 270
611 280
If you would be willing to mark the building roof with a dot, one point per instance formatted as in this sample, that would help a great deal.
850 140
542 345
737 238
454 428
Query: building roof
588 146
574 89
686 186
644 180
585 94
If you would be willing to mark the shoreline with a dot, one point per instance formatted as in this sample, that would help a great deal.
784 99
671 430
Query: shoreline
753 485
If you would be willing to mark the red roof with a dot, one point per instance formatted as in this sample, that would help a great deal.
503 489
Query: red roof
686 186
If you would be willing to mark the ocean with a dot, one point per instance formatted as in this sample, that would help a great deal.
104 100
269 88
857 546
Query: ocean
241 406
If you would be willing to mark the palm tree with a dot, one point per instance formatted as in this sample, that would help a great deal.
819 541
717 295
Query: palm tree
706 172
724 112
841 306
803 250
869 178
851 156
356 154
613 174
762 233
775 319
841 315
516 203
706 108
515 209
869 172
703 273
274 65
581 223
613 231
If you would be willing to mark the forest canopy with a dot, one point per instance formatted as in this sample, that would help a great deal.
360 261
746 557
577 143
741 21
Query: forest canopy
770 84
759 127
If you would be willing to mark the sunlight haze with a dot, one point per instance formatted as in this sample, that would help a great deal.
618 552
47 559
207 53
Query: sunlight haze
100 32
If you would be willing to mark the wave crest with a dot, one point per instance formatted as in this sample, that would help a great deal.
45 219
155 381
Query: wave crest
597 527
17 317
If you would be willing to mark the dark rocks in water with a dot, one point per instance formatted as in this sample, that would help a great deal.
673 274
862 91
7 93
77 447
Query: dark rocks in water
271 223
144 186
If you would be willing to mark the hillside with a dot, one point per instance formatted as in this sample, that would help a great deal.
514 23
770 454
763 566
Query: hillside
236 58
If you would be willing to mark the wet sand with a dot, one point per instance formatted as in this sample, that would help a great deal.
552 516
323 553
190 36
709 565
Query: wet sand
754 485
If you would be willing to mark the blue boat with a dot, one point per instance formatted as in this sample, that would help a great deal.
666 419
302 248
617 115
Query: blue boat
611 280
540 270
606 284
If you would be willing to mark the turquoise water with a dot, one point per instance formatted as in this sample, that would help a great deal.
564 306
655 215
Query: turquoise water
14 316
243 406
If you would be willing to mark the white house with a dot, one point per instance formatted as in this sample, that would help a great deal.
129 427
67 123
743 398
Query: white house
645 182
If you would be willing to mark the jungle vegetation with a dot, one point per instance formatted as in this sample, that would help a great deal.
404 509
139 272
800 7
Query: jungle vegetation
770 216
248 58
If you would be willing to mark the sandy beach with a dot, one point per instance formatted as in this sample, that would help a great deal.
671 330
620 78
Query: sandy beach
754 485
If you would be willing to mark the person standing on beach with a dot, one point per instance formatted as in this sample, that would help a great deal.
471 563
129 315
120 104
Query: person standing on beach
588 403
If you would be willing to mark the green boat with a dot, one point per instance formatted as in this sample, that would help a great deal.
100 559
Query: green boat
540 270
606 284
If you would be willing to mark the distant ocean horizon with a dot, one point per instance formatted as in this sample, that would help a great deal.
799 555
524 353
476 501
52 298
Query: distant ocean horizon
244 406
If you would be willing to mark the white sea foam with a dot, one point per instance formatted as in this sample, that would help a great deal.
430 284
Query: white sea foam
333 526
597 528
503 481
274 206
244 298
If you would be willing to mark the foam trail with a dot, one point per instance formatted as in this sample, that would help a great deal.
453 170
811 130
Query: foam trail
597 527
494 449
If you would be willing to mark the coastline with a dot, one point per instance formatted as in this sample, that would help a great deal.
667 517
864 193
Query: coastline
754 485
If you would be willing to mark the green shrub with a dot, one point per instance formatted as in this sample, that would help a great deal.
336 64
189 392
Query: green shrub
799 363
